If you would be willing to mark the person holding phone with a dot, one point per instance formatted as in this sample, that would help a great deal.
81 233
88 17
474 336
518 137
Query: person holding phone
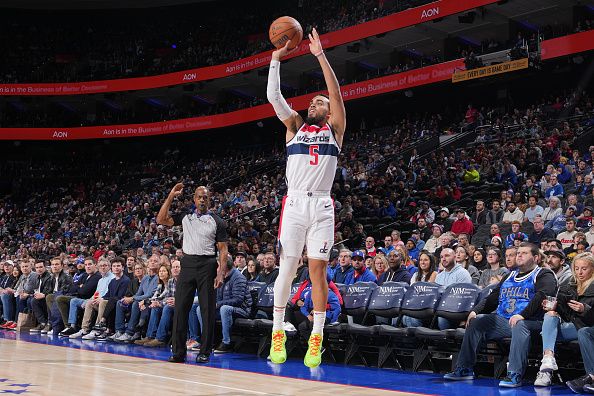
565 313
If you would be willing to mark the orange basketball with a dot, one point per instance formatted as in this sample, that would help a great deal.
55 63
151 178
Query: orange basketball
285 29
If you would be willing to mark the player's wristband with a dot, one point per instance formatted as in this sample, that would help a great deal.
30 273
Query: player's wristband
319 53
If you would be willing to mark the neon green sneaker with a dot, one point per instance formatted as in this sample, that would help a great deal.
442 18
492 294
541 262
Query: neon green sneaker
278 353
313 357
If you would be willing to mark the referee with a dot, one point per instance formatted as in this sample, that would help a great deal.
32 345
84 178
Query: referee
203 234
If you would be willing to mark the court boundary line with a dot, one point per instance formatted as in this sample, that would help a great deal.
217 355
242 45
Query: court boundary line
160 377
224 369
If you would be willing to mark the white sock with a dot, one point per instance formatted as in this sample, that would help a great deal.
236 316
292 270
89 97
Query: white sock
278 317
282 289
319 317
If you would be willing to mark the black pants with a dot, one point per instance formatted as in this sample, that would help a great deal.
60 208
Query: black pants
109 313
39 310
197 272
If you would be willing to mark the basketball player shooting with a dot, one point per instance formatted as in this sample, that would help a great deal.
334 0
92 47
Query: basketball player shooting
307 216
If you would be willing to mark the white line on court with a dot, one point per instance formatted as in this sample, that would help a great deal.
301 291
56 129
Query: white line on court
162 377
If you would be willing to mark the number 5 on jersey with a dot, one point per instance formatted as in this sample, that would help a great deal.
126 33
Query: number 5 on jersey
313 152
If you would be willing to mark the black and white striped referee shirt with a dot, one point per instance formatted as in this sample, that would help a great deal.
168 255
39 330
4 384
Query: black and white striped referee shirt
201 232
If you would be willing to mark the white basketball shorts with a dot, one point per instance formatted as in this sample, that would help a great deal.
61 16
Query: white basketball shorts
307 219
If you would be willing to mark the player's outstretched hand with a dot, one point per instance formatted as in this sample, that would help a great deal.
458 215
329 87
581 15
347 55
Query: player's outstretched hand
315 45
282 52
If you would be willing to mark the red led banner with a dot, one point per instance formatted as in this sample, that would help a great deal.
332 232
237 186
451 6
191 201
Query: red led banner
398 20
567 45
376 86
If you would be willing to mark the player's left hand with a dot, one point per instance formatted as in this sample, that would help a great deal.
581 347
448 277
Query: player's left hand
515 319
315 45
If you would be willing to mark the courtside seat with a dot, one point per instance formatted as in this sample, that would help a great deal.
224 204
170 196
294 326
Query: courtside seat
420 300
386 301
249 324
454 305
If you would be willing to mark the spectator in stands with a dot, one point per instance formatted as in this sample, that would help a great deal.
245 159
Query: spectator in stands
360 272
553 210
573 201
116 290
584 221
159 332
443 219
332 263
518 304
92 304
346 269
427 268
241 264
379 265
512 213
555 189
396 271
155 304
61 284
495 215
432 244
479 259
462 259
540 232
130 332
42 287
7 283
77 295
510 258
332 312
566 237
253 268
556 263
269 271
480 214
388 247
370 246
515 234
495 271
533 209
452 272
566 316
23 287
411 247
462 224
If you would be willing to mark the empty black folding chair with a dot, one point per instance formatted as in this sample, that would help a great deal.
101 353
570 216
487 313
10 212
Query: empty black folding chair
385 302
455 304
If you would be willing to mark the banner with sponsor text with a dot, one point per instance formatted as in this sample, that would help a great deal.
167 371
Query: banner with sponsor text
491 70
376 86
399 20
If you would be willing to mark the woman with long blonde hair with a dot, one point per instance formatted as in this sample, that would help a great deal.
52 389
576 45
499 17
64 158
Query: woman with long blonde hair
564 317
379 265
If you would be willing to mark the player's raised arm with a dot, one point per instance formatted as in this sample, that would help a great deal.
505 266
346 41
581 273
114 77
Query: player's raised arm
288 116
337 111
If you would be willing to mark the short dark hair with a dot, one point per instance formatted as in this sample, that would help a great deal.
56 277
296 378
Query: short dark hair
534 250
118 260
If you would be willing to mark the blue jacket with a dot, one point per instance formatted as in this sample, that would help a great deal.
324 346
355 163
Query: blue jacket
234 291
147 287
331 271
117 288
340 276
554 191
332 308
365 276
557 224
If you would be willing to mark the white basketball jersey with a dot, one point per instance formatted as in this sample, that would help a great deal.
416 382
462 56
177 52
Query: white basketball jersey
312 156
